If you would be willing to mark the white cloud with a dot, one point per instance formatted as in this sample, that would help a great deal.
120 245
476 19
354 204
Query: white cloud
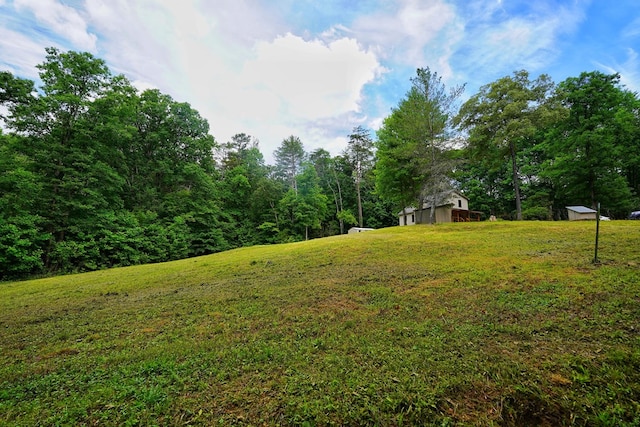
246 69
629 70
65 21
407 34
241 23
313 79
23 52
632 30
135 39
233 67
292 86
497 43
185 51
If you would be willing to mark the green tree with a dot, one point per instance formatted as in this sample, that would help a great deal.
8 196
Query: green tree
587 149
502 119
168 136
114 177
412 165
360 154
486 185
175 170
289 157
266 208
329 177
236 151
628 135
14 92
21 238
306 208
248 193
78 181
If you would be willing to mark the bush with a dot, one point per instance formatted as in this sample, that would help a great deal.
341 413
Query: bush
20 247
536 213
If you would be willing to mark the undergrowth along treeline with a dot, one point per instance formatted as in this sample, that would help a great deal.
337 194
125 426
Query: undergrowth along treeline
460 324
95 174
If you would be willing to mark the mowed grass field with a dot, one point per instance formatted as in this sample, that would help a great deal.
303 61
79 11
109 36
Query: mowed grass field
455 324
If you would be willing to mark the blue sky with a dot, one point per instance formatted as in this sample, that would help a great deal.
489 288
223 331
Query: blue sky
316 69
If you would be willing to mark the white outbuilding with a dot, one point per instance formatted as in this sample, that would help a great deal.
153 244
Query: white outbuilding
354 230
578 213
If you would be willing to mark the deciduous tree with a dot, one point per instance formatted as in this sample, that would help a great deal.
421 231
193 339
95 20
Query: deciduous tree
306 208
289 157
412 165
588 147
360 154
502 118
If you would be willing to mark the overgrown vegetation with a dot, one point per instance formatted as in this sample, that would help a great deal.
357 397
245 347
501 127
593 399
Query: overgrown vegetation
459 324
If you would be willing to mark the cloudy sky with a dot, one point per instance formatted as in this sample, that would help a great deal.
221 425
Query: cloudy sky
318 68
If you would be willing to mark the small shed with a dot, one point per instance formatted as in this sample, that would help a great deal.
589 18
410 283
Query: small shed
577 213
353 230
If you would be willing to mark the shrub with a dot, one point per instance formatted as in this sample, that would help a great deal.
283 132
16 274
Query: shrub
539 213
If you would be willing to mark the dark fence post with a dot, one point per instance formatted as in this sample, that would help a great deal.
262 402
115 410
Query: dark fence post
595 258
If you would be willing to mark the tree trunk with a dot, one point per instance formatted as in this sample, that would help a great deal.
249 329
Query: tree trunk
419 213
434 205
359 203
433 172
340 200
275 213
340 221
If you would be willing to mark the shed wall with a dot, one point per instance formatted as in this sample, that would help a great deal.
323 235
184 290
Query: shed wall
407 219
442 214
577 216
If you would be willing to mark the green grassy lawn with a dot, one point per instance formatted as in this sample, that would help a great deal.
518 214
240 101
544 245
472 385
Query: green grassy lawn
456 324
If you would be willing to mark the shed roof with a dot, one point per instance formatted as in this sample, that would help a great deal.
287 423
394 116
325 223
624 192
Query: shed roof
444 198
581 209
406 211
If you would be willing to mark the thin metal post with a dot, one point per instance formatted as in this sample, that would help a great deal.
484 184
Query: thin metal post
595 258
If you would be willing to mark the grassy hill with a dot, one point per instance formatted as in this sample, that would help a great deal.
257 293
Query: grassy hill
457 324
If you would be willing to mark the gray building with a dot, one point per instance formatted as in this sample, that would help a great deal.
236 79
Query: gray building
577 213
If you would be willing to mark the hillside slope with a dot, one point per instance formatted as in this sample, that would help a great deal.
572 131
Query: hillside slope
457 324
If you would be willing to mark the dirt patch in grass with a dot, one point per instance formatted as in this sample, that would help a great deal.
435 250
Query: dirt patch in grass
524 407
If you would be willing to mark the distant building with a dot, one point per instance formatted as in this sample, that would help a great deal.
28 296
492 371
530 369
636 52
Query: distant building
577 213
353 230
451 206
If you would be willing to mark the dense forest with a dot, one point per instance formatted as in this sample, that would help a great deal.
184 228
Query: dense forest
96 174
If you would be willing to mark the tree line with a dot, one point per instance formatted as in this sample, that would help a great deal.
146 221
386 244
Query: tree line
96 174
520 148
